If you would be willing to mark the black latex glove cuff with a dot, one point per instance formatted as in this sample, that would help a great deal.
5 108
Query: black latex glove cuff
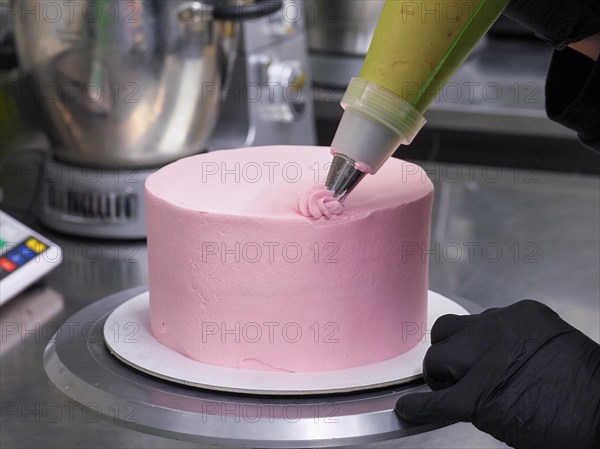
573 94
519 373
558 22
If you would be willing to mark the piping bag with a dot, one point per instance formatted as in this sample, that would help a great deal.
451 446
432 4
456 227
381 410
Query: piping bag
415 49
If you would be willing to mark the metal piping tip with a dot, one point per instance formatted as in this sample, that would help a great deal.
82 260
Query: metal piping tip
342 177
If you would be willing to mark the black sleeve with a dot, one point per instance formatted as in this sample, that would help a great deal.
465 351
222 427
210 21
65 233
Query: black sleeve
558 22
573 95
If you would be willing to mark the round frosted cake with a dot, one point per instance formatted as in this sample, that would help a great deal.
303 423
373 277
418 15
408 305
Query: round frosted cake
251 266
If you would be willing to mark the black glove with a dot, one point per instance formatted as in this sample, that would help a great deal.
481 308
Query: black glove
519 373
558 22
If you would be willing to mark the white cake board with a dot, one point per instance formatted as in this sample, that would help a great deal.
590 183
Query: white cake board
127 334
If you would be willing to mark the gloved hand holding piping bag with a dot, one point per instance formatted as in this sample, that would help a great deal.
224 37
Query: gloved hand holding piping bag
415 49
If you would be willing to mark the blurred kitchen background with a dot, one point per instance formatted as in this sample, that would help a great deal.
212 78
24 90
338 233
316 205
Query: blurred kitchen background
108 96
491 113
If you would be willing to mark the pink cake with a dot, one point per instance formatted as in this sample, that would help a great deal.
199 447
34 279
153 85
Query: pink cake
239 278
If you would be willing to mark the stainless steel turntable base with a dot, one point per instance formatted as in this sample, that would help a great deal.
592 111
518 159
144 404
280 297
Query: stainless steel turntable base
80 365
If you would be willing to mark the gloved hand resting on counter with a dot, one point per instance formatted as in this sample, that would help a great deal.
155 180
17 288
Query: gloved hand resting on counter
519 373
573 82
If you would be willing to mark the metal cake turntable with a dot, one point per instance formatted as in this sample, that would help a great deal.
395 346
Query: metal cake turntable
79 362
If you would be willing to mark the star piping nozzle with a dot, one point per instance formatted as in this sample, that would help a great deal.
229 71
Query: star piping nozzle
375 123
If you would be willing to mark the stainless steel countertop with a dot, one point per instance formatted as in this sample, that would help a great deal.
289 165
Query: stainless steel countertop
499 235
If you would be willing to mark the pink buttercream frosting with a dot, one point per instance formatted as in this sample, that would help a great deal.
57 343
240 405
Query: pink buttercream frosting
318 202
363 167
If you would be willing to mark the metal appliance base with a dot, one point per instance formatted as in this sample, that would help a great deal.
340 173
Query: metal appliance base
81 366
94 201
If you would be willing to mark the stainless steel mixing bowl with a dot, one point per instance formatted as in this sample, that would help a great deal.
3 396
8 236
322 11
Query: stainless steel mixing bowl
124 81
341 26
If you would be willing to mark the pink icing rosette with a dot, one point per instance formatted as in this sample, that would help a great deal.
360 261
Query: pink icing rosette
319 202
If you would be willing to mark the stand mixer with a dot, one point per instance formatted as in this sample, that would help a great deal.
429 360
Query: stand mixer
127 87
